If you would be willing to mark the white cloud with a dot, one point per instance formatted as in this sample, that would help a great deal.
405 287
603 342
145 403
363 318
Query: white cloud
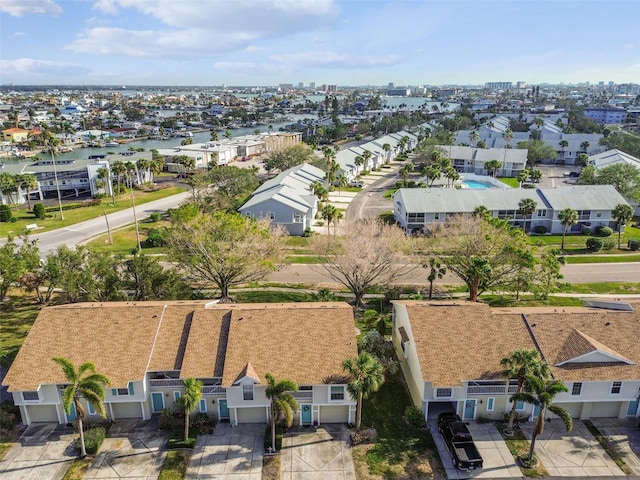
18 8
334 60
194 27
25 68
247 68
18 34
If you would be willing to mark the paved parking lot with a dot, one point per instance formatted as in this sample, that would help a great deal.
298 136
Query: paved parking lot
44 452
317 454
572 454
231 453
498 461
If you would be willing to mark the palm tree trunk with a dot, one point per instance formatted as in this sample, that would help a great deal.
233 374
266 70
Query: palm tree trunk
359 412
29 204
186 426
273 432
430 289
512 415
83 449
536 431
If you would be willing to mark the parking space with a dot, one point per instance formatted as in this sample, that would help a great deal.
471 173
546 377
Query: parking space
317 454
43 452
230 453
624 436
572 454
498 461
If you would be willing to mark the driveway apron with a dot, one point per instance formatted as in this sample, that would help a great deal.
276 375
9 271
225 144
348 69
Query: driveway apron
43 452
317 454
624 436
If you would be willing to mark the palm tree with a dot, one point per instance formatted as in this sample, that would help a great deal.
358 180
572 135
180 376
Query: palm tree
228 134
481 211
451 174
143 165
102 176
82 383
622 213
405 172
7 186
436 270
520 365
214 135
536 175
331 174
51 142
28 182
582 159
367 376
540 392
329 215
526 207
473 137
329 155
341 181
563 144
119 169
567 217
507 136
432 172
358 161
282 403
492 166
190 400
523 176
387 149
584 145
366 155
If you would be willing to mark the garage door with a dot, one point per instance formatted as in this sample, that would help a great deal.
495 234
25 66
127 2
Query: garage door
606 409
42 413
334 414
126 410
252 415
574 410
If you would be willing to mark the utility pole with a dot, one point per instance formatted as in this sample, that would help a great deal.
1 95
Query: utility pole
106 219
135 219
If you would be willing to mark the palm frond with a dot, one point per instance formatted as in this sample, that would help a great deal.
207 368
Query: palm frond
563 414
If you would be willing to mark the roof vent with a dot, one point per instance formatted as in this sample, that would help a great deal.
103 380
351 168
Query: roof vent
608 304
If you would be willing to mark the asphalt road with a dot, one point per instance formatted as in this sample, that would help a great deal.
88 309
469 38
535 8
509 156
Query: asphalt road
84 231
371 203
573 273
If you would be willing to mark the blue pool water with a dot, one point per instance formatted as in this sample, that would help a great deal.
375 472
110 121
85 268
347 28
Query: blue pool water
476 185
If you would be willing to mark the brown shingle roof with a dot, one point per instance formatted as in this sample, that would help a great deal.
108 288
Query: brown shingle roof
205 350
303 342
578 344
172 338
117 337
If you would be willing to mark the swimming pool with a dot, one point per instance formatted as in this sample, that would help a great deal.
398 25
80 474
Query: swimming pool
476 185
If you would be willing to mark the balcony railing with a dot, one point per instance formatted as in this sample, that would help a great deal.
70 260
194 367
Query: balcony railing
490 389
167 382
213 390
302 395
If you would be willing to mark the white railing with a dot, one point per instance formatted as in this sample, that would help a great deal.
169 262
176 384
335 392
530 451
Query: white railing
213 390
302 395
490 389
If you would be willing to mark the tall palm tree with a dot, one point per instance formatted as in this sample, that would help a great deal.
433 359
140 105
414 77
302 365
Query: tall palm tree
526 207
521 364
85 383
341 181
563 145
451 174
102 176
432 172
387 149
8 186
189 401
214 135
367 376
582 159
366 155
584 146
436 270
523 176
492 166
358 161
329 215
143 165
119 169
622 213
473 137
567 217
540 392
51 142
28 182
405 172
282 403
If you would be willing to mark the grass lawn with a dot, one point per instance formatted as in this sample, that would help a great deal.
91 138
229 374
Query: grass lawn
402 451
266 296
519 446
124 239
389 193
604 258
78 468
306 259
78 215
511 181
271 467
612 288
175 465
17 314
530 301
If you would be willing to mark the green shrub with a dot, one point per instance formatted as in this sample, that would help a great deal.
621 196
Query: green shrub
157 237
72 206
483 419
594 244
633 244
8 420
608 244
540 229
414 416
307 232
39 211
93 438
155 217
5 213
171 419
586 231
203 424
182 443
603 231
411 184
399 184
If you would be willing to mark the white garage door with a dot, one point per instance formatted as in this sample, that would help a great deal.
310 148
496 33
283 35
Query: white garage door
252 415
126 410
334 414
574 410
606 409
42 413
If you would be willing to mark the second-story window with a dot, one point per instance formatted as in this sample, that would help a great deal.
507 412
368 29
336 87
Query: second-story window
247 392
576 389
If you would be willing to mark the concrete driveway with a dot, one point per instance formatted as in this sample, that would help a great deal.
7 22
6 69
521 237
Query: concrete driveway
624 436
43 452
133 450
317 454
498 461
571 454
231 453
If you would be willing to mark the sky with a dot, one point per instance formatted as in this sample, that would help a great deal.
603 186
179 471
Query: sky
343 42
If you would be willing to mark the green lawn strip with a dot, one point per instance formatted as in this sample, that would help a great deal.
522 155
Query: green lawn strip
519 446
271 467
401 451
17 314
175 465
602 258
295 241
512 182
608 447
124 239
305 259
78 468
389 193
612 288
529 301
266 296
78 215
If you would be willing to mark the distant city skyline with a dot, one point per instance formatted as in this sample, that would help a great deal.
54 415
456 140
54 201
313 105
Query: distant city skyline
343 42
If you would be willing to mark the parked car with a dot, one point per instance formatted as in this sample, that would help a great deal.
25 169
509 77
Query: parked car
574 174
459 442
356 183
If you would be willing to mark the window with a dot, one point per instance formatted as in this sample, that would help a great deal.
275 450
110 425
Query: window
271 216
436 216
307 388
415 218
598 214
576 389
120 392
176 396
337 392
520 405
247 392
542 213
130 388
297 218
92 411
490 402
203 406
615 388
30 396
444 392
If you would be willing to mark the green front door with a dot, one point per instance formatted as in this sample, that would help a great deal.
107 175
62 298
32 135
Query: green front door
71 417
158 401
305 415
224 410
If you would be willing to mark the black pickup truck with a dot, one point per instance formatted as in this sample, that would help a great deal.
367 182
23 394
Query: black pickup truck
459 442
